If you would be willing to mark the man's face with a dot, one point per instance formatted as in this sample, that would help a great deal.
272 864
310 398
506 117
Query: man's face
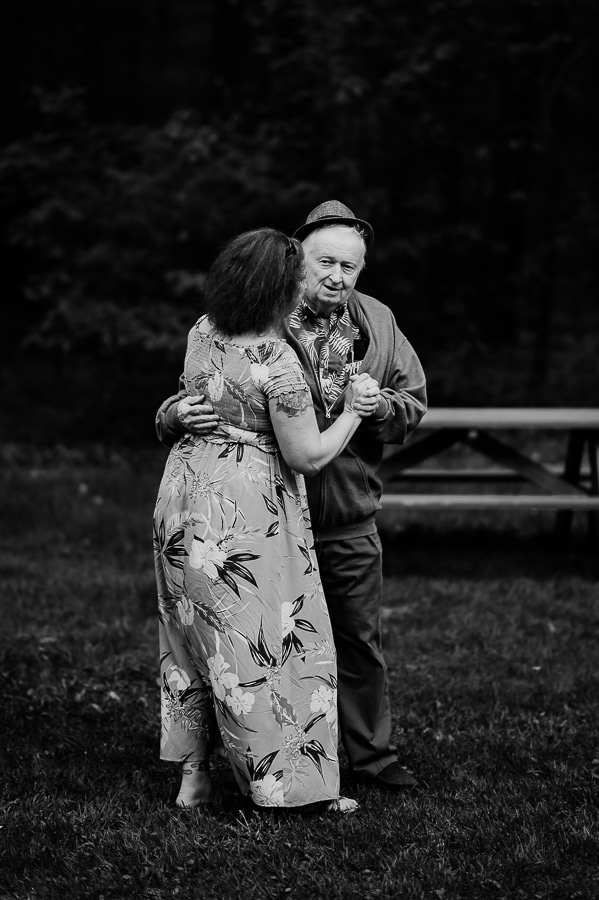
334 258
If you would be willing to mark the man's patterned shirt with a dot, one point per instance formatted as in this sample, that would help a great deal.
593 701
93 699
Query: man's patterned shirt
330 348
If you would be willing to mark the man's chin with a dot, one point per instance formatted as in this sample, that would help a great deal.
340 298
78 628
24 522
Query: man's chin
331 299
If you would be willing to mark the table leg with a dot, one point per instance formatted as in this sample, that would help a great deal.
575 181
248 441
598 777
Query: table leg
593 450
416 451
572 468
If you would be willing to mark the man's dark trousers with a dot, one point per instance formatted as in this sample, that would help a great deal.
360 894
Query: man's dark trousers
351 573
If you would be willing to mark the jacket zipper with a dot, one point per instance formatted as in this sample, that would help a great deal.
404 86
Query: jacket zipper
327 414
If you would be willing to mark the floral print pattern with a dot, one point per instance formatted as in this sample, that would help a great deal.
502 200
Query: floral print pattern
247 654
329 345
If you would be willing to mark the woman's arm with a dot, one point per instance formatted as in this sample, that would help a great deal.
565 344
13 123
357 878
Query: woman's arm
303 446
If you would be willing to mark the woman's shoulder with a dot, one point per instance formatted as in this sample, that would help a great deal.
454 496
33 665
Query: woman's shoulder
200 327
203 326
283 352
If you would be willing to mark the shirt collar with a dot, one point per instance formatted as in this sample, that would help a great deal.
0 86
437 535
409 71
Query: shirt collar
306 311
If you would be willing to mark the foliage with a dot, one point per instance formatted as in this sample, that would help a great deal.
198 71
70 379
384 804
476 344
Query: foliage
459 129
117 224
491 655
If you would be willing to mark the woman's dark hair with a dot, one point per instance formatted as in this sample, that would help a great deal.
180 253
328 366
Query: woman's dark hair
254 282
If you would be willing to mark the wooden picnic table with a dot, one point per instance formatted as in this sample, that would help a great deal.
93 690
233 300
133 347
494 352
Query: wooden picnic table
572 485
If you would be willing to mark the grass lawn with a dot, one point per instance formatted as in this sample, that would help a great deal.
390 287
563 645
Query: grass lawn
492 641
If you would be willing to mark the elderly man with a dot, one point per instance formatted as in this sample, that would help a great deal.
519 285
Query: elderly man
336 332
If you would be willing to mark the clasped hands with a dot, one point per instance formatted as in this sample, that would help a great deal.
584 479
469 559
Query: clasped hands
363 395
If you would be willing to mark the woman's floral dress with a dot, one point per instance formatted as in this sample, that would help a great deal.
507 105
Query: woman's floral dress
247 654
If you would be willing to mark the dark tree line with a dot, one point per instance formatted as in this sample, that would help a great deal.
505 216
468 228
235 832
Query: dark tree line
140 134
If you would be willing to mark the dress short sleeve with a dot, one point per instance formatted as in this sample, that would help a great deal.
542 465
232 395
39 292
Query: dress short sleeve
285 376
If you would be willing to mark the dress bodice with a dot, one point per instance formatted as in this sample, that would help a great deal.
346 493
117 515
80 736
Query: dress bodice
239 380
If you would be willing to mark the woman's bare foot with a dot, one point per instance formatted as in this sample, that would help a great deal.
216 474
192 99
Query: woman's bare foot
196 785
344 806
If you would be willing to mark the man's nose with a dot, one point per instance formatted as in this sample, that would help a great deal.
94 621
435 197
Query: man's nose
335 274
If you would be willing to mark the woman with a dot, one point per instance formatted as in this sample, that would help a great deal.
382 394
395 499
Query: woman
247 653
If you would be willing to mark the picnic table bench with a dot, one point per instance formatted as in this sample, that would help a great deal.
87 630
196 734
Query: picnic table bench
572 486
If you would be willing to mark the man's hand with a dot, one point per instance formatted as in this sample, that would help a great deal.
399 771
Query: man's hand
197 416
363 394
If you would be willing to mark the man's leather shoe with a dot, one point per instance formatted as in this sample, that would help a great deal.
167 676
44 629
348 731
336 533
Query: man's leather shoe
394 778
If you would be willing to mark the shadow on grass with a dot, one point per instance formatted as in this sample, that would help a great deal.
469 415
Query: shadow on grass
485 548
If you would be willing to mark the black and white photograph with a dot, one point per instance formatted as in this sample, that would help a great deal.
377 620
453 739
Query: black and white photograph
299 457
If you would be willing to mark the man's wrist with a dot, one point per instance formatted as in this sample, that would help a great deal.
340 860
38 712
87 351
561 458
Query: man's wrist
172 420
382 408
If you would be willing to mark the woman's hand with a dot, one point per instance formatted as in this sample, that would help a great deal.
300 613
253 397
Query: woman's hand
363 395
